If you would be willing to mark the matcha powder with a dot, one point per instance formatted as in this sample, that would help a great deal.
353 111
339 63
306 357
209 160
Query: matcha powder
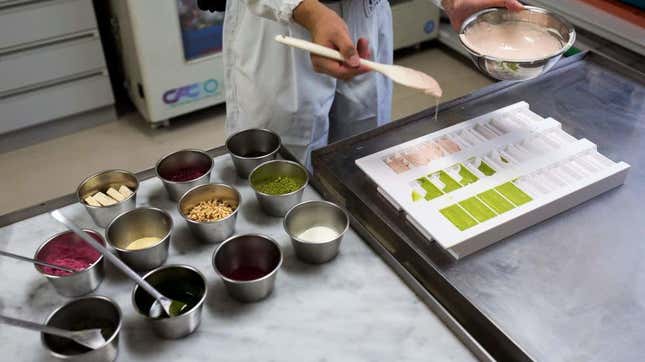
279 185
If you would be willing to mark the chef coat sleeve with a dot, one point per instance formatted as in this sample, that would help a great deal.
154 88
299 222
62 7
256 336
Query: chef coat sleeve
437 3
277 10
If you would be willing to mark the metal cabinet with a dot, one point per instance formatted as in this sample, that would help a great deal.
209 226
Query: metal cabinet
55 101
51 62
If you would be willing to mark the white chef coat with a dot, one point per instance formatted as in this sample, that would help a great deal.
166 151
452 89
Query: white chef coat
270 85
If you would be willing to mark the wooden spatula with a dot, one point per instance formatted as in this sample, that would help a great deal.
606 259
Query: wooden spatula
402 75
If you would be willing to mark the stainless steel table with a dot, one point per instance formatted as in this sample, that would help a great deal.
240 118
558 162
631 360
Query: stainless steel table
570 288
353 308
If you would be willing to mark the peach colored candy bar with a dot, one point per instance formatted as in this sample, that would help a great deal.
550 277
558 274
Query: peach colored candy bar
417 157
397 163
432 151
449 145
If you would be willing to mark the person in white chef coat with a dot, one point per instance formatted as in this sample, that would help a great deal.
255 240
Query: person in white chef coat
310 100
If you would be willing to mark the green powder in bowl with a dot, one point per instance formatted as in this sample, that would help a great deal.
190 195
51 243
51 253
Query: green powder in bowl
279 185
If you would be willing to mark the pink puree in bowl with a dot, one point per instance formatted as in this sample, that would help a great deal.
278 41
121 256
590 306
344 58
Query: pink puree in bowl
70 251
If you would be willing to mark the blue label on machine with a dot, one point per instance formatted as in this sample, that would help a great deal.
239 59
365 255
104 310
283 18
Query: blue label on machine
428 27
191 93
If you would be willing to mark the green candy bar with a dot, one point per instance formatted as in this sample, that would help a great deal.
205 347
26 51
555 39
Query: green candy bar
449 182
513 193
432 192
477 209
486 169
467 177
495 201
458 217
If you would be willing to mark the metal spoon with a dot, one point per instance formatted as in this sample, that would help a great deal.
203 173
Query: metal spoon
90 338
162 304
38 262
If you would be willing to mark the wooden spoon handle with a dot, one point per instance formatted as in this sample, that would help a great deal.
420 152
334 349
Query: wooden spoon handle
323 51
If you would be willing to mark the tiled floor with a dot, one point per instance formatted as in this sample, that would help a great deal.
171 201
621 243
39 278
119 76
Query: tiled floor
50 169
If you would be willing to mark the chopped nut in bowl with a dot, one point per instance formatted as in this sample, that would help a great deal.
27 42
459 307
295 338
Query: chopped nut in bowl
210 211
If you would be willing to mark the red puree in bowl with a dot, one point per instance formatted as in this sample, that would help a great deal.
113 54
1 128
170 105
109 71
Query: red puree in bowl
186 174
68 251
246 273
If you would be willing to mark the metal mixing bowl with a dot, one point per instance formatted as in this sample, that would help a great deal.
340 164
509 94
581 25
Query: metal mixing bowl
519 70
139 223
278 205
310 214
84 313
79 283
252 147
103 215
182 159
252 252
216 230
175 281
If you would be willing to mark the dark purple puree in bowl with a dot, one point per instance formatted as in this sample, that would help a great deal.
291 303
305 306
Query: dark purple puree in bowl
186 174
246 273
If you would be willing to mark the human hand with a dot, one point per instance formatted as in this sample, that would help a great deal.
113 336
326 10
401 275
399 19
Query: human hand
329 29
460 10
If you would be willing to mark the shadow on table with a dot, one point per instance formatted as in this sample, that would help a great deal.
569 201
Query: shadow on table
43 296
184 242
159 198
223 305
114 274
296 267
228 175
252 212
140 339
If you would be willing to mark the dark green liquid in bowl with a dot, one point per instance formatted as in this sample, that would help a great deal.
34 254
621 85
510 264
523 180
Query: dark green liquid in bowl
181 285
186 294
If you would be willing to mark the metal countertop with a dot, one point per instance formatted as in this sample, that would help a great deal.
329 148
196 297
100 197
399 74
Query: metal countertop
352 308
570 288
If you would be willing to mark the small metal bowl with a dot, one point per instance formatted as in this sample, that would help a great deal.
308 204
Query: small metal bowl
212 231
310 214
278 205
103 215
85 313
179 282
139 223
248 265
181 160
252 147
79 283
519 70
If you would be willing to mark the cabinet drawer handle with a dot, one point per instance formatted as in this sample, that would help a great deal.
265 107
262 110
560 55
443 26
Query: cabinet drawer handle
102 72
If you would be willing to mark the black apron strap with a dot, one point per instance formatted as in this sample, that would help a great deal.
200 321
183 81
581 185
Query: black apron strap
212 5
